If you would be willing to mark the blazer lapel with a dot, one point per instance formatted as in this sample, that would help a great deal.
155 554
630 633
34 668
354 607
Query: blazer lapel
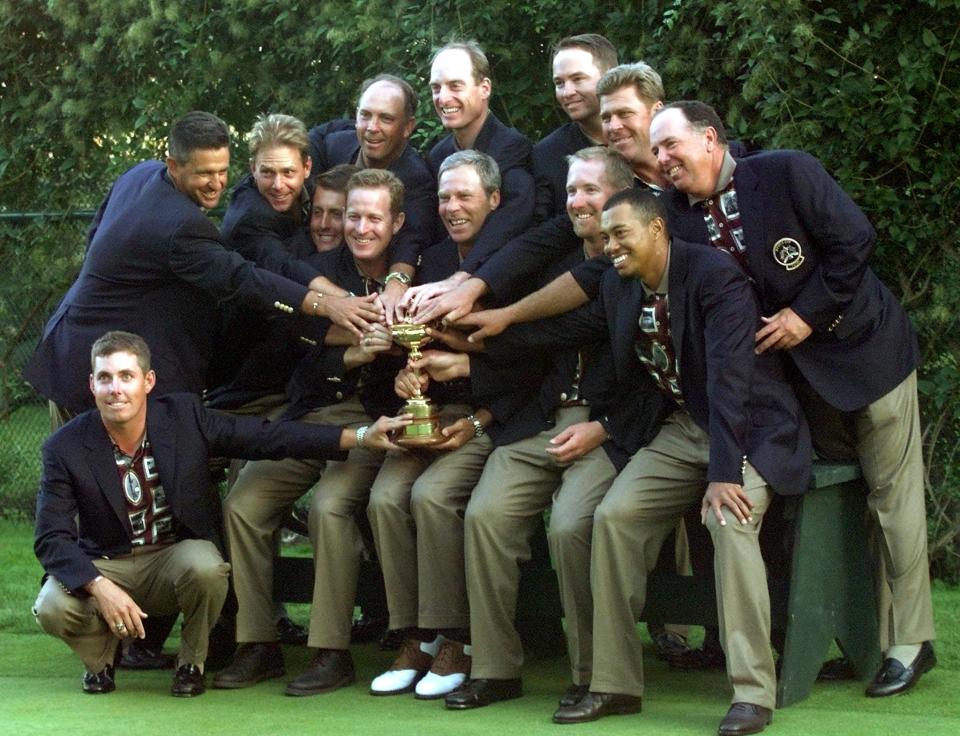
751 218
163 445
677 295
104 468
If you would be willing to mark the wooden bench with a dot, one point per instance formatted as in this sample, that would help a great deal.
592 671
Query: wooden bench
819 574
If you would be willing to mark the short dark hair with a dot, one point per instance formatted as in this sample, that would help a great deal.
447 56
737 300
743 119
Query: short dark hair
335 179
644 202
478 59
700 115
375 179
118 341
409 96
195 131
599 47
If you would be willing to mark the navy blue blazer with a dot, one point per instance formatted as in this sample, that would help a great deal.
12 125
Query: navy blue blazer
80 484
550 168
863 344
741 400
511 150
421 226
155 266
260 234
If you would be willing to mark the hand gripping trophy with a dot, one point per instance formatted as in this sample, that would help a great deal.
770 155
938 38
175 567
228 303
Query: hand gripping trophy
425 428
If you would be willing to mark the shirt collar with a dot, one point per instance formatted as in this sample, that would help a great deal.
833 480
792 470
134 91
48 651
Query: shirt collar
723 181
664 279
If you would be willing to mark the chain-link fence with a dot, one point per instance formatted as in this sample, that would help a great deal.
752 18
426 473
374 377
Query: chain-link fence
39 257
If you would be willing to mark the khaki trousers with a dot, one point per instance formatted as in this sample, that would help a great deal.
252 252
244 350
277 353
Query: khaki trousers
188 576
416 513
258 503
519 481
643 505
885 439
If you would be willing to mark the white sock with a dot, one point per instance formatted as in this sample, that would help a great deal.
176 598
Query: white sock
903 653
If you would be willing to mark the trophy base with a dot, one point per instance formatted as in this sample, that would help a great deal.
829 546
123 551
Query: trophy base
422 441
425 429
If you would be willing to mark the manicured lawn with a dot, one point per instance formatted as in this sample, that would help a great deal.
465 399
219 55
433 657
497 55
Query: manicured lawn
40 691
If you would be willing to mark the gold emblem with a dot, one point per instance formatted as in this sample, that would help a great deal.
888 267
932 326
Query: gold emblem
787 253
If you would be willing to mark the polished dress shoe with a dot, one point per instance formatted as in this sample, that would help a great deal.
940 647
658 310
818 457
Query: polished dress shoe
481 692
329 669
188 682
573 695
597 705
743 718
138 656
893 678
97 683
252 662
366 629
835 670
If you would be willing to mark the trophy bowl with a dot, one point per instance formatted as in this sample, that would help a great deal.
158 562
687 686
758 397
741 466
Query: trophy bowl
425 428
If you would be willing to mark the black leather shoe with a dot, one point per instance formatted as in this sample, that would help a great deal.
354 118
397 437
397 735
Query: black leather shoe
597 705
893 678
667 645
96 683
835 670
290 632
481 692
709 657
252 663
573 695
366 629
743 718
138 656
329 669
188 682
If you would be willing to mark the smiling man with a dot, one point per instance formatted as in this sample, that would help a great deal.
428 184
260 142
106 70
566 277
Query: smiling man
126 527
850 343
461 87
380 139
578 63
344 384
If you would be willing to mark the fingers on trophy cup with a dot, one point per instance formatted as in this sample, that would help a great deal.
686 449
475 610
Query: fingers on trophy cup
425 428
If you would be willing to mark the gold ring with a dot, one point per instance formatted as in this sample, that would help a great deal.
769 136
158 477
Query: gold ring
120 627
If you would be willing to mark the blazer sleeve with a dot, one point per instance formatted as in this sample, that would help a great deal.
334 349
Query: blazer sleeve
524 256
844 236
255 239
205 263
56 540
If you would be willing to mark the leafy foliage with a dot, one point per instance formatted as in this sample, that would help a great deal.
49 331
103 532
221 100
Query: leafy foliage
871 87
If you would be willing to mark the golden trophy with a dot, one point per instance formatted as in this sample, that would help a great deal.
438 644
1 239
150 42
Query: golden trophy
425 428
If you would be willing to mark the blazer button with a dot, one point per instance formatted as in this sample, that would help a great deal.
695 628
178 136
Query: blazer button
339 395
563 396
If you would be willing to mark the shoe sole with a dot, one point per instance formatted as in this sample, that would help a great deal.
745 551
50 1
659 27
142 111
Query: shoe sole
303 692
620 711
475 704
240 684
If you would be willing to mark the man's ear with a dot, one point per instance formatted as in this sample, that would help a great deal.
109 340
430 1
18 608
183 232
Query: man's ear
495 199
149 380
398 222
91 384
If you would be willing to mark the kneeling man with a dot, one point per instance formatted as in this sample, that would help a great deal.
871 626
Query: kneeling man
126 526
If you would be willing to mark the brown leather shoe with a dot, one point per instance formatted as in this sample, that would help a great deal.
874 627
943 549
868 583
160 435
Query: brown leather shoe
329 669
744 718
597 705
252 663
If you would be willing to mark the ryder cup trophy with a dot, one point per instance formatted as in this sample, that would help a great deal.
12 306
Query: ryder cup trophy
425 428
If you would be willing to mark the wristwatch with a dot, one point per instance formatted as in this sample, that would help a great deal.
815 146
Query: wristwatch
400 276
478 430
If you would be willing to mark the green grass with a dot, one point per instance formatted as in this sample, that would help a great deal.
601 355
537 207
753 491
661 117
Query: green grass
40 691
